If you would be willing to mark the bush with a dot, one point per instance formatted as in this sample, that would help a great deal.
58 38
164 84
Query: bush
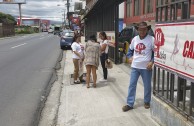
25 30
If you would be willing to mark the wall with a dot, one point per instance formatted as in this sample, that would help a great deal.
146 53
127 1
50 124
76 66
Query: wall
165 115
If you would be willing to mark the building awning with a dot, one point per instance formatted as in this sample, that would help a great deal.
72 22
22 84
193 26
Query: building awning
99 4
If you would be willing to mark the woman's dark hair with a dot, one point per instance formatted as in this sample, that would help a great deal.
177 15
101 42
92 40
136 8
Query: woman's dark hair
76 36
103 34
93 37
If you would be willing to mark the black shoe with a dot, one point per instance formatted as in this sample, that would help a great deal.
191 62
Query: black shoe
126 108
146 105
82 81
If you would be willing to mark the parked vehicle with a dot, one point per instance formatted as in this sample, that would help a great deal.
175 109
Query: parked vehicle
66 40
50 30
63 32
57 30
129 32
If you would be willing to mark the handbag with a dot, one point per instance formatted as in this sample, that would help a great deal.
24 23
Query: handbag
108 64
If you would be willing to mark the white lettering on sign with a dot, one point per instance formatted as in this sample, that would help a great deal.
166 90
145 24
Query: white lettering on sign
151 15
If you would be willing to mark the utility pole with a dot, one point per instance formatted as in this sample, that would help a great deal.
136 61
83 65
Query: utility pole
68 12
64 22
20 14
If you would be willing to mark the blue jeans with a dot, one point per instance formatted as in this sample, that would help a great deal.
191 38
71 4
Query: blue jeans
146 77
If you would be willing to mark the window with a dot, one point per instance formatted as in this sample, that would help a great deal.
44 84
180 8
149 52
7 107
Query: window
148 6
137 7
159 2
172 10
129 8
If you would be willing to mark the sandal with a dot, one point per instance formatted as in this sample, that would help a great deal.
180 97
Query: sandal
76 82
94 85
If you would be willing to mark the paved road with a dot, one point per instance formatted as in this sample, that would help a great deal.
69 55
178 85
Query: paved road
26 66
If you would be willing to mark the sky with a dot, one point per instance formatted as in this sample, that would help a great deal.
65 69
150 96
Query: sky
44 9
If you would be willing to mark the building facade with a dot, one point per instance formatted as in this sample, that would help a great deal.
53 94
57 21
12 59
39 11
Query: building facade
145 10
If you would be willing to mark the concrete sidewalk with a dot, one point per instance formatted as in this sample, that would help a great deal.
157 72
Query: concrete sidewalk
101 106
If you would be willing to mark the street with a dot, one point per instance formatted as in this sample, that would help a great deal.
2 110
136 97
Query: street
27 64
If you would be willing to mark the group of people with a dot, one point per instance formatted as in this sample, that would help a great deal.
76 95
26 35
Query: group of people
90 55
140 56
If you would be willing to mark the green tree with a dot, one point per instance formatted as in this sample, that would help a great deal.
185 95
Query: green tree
7 18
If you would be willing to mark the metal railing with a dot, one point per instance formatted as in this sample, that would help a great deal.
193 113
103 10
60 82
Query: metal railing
175 91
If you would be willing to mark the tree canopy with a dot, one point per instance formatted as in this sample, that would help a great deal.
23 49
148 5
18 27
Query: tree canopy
7 18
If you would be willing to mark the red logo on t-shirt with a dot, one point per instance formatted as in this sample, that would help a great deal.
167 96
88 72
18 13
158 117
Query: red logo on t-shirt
139 47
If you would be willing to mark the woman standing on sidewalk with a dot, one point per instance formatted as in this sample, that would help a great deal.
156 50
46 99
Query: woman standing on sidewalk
92 54
77 55
104 54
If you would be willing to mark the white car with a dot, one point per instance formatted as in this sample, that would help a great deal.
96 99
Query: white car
50 30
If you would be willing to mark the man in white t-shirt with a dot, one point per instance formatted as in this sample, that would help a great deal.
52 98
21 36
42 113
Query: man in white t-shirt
141 58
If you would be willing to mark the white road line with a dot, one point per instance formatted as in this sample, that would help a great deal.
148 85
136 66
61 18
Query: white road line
18 45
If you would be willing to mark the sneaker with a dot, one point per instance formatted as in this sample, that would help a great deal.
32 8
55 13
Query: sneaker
126 108
103 80
146 105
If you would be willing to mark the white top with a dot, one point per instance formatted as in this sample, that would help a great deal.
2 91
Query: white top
142 51
104 42
76 47
82 50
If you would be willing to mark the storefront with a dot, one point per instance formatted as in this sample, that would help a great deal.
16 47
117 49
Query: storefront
102 15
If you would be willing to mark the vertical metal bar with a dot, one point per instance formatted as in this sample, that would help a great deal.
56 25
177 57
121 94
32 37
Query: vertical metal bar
182 10
158 82
189 9
191 106
168 81
171 12
184 93
172 87
175 11
179 91
156 18
161 13
116 31
154 80
163 79
166 13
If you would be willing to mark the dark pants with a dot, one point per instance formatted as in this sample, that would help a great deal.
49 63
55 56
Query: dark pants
103 58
